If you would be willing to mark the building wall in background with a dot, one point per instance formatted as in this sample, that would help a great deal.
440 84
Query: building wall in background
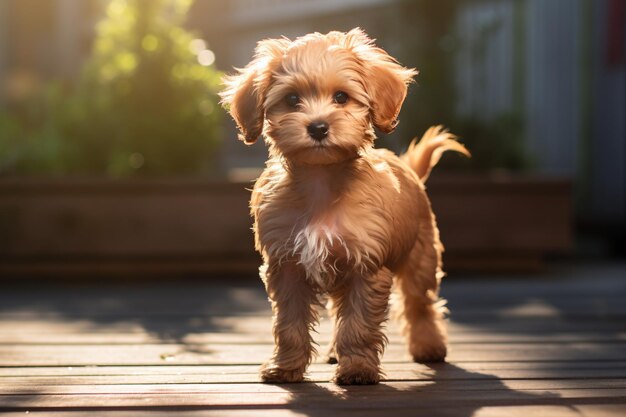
553 68
554 72
493 62
607 148
485 57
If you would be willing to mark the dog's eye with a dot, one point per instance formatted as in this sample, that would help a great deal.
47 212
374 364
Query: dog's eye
340 97
292 99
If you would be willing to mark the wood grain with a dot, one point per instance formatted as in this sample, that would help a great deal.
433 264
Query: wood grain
518 347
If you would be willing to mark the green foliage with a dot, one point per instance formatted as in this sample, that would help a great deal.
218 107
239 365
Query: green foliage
144 104
496 145
30 135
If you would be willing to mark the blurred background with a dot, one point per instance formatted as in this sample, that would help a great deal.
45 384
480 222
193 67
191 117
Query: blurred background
112 140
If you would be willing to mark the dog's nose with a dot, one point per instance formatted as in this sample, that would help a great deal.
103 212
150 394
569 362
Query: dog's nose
318 130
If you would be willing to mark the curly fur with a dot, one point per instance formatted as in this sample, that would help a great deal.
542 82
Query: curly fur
336 216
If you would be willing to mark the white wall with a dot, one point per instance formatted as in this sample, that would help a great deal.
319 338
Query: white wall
574 105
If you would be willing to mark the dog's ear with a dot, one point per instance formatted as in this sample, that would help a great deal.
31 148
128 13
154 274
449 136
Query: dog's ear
387 80
241 99
244 91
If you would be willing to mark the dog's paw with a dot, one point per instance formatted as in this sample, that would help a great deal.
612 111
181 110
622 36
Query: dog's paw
430 354
273 374
357 377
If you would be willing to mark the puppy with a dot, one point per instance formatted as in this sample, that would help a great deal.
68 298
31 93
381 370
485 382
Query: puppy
333 215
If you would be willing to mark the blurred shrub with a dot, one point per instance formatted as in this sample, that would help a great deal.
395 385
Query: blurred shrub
430 42
31 140
145 103
495 145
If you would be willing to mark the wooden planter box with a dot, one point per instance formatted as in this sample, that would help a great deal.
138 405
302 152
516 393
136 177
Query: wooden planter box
179 227
502 222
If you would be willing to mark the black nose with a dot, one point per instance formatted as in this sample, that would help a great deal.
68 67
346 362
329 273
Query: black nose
318 130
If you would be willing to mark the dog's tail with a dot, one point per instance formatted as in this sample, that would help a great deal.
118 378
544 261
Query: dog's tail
422 156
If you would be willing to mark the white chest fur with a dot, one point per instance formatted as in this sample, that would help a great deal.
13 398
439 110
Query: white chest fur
319 246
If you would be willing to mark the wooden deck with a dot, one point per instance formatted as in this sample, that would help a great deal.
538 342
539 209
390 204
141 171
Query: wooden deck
542 345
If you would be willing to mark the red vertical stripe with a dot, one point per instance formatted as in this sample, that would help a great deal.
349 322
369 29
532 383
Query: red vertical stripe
616 36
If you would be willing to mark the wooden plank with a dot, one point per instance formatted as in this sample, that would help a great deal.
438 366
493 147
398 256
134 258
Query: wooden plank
143 337
73 355
456 369
505 214
143 219
234 375
602 311
611 410
244 388
170 369
231 295
443 410
315 396
262 325
221 302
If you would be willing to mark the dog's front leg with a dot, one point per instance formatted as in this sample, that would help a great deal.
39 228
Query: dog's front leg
293 300
361 310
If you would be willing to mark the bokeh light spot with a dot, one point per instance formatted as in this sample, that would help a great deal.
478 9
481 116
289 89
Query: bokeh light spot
127 61
150 43
206 57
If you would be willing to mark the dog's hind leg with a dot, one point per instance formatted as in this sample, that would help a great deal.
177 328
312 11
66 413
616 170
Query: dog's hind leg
331 355
420 308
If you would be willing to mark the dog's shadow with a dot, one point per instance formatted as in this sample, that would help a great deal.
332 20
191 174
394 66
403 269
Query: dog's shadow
446 390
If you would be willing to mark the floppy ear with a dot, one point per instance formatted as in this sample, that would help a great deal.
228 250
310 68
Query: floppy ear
388 85
242 100
245 91
387 80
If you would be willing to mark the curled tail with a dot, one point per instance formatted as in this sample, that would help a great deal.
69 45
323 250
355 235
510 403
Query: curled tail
422 156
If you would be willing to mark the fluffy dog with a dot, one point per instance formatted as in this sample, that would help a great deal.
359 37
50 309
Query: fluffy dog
333 215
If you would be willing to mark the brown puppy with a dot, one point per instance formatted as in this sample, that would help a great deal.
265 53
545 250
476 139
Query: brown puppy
334 215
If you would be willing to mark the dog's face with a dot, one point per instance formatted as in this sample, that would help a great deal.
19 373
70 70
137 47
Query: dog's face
316 99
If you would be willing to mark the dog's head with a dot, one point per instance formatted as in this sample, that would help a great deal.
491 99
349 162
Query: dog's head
317 98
